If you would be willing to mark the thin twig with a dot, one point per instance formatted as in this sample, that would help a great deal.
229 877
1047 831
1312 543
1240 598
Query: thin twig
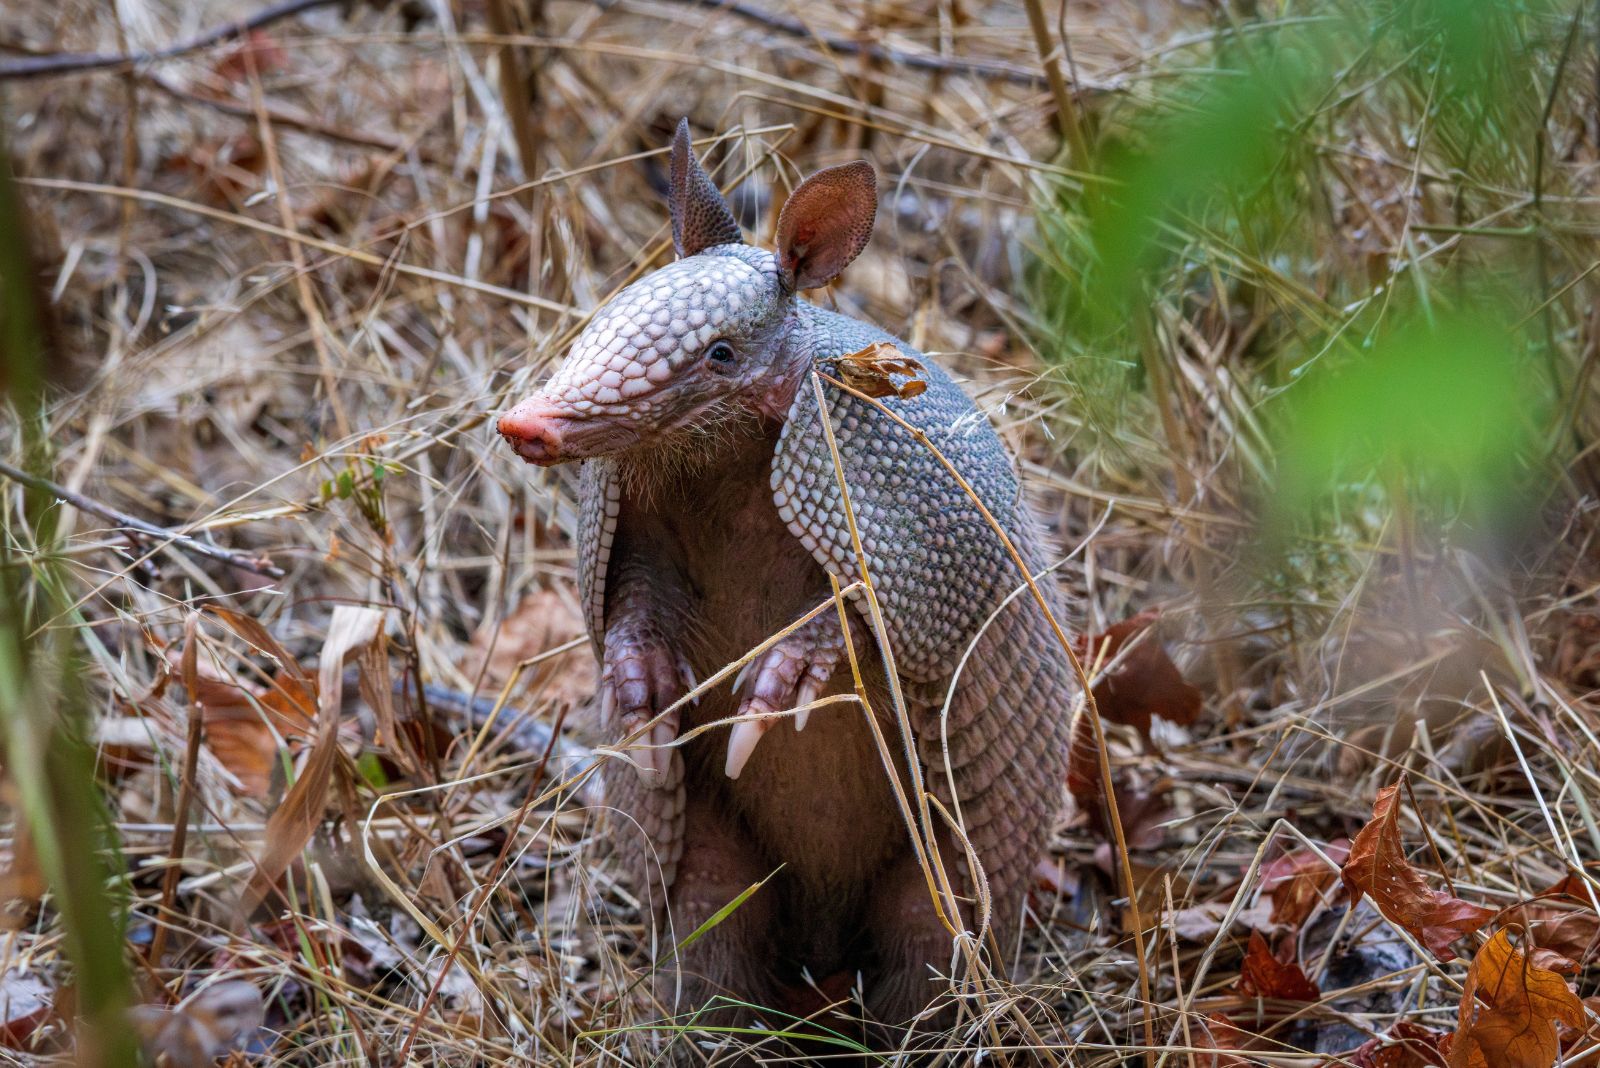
845 46
75 62
138 527
186 775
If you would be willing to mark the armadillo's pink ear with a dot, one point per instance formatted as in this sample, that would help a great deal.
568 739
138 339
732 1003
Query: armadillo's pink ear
700 217
825 224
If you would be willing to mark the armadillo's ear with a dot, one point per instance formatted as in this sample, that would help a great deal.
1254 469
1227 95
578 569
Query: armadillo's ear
825 224
700 217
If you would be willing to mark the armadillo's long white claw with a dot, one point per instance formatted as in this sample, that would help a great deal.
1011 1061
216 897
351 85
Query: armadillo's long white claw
656 758
690 683
809 690
742 742
744 675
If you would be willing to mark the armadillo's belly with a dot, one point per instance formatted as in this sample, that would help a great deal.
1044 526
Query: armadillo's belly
816 801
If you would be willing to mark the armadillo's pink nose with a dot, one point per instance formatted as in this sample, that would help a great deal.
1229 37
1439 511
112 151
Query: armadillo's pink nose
534 429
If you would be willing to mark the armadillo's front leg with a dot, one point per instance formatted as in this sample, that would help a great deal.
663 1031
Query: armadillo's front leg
790 675
644 670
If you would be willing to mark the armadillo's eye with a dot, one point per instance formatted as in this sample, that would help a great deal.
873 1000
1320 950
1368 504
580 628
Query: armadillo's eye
721 356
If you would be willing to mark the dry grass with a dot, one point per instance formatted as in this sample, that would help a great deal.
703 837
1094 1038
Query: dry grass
292 283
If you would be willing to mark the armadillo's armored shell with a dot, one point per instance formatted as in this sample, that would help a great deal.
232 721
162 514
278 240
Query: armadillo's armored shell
937 565
661 324
601 493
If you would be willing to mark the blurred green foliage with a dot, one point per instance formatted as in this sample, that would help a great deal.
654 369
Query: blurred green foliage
1345 212
43 707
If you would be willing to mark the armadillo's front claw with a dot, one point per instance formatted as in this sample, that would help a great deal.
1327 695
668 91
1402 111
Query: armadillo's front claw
790 675
642 678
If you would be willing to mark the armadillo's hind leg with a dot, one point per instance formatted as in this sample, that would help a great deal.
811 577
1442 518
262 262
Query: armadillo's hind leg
732 960
913 947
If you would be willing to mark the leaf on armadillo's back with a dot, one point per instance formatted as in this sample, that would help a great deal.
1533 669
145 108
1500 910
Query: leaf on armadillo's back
868 371
1378 868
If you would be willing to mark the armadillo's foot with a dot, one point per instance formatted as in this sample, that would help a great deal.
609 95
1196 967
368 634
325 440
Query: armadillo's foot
642 677
790 675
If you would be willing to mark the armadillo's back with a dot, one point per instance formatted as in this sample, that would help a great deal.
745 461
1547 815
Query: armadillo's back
936 563
990 687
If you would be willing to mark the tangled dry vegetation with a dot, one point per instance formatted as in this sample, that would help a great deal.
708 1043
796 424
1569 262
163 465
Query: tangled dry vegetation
289 278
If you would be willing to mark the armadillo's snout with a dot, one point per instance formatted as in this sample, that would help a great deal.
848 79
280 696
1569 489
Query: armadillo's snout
535 429
545 432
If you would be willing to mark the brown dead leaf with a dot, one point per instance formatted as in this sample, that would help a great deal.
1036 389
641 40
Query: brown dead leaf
1510 1009
1566 937
1407 1045
1083 761
1580 1046
1297 882
210 1024
869 371
1265 974
26 1004
542 621
1219 1033
1144 684
256 49
1377 867
293 822
244 734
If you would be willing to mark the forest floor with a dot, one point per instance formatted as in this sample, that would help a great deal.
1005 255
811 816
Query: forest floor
289 279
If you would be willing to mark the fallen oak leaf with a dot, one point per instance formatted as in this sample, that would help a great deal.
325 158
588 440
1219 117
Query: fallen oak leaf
1264 974
1407 1045
352 630
1145 683
1297 881
1217 1032
1377 867
210 1024
1509 1010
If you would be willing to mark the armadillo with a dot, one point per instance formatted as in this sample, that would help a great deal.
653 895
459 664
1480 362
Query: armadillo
711 519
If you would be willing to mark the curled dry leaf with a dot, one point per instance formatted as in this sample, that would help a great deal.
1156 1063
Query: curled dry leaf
1509 1011
1407 1045
1297 881
26 1004
1146 683
1266 974
1217 1032
210 1024
1567 937
543 621
1377 867
353 630
1083 760
871 369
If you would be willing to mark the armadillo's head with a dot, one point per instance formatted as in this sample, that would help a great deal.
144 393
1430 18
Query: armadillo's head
702 340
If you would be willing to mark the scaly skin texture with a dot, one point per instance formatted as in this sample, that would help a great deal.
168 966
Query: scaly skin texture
711 520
